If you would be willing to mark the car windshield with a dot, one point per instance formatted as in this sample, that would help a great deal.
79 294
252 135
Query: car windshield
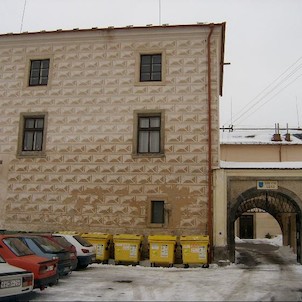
17 246
47 245
62 241
82 241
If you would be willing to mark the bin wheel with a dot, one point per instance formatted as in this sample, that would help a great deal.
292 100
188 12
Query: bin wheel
206 265
186 265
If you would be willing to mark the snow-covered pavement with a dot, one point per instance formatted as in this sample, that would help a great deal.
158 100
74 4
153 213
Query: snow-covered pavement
236 282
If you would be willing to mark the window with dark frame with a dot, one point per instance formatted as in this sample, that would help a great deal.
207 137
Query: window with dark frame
151 67
149 135
39 70
33 134
158 211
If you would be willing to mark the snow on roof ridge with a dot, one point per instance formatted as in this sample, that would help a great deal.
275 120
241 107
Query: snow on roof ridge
260 136
261 165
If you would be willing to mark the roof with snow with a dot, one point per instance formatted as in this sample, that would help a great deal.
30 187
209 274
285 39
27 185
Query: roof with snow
260 136
297 165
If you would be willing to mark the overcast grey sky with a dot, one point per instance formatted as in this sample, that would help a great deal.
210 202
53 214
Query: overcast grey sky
263 84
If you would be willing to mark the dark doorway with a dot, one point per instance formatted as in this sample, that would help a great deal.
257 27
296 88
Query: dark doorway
246 227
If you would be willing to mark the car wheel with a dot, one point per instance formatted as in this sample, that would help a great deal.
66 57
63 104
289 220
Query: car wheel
82 266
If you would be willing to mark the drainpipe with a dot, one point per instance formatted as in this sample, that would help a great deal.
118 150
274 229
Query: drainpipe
210 194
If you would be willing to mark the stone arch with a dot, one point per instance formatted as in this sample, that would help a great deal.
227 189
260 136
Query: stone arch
278 203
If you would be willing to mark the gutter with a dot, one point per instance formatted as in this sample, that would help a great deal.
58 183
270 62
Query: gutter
210 193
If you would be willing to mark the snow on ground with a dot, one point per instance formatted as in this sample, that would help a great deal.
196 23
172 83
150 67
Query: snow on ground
100 282
285 252
277 240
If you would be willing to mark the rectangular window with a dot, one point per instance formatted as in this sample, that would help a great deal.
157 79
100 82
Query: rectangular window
39 70
149 135
158 212
150 67
33 134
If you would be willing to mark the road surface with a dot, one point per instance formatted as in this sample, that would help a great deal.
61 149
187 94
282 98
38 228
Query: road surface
261 273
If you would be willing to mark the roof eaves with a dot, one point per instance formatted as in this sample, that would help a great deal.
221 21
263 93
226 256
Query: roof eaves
128 27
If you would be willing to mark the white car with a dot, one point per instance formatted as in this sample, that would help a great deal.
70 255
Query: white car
14 281
86 252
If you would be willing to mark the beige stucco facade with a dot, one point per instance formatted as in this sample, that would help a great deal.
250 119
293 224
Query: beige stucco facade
89 178
261 152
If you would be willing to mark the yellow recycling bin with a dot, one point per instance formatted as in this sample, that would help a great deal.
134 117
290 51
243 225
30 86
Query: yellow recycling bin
195 249
102 243
127 248
162 249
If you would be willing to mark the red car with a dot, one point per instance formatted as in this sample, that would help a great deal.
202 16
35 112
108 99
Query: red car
16 253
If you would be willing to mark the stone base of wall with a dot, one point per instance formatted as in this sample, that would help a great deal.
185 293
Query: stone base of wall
221 255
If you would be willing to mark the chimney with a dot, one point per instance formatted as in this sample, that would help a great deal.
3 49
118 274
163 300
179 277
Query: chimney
277 136
287 135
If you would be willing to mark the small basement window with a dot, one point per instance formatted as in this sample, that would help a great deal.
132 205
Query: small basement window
157 211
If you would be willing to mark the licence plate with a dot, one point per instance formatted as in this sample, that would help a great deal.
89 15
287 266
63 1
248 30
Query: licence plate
10 283
50 268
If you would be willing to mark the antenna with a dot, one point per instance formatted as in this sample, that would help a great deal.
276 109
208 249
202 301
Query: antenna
21 27
159 12
231 111
297 112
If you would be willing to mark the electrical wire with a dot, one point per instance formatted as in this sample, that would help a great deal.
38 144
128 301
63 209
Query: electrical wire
246 110
238 119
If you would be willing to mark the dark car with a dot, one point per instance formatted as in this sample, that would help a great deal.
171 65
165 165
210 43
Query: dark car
44 247
66 245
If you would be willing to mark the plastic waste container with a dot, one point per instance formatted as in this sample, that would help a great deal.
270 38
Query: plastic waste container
127 248
162 249
102 243
195 249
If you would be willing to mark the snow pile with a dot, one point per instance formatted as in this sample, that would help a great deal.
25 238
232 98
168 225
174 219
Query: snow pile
277 240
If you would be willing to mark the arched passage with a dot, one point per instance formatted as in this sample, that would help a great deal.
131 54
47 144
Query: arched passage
281 204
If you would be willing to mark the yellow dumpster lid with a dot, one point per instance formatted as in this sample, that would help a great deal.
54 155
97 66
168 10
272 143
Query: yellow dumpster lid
127 237
194 238
96 235
68 232
161 238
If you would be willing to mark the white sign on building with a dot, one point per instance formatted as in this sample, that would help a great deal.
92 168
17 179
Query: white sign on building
267 184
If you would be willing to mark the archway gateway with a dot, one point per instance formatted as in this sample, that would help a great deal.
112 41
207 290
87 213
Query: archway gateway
280 203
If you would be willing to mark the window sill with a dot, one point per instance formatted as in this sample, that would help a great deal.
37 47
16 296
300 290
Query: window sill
149 155
157 225
26 154
150 83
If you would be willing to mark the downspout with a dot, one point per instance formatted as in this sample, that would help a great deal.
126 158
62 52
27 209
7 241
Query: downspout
210 194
